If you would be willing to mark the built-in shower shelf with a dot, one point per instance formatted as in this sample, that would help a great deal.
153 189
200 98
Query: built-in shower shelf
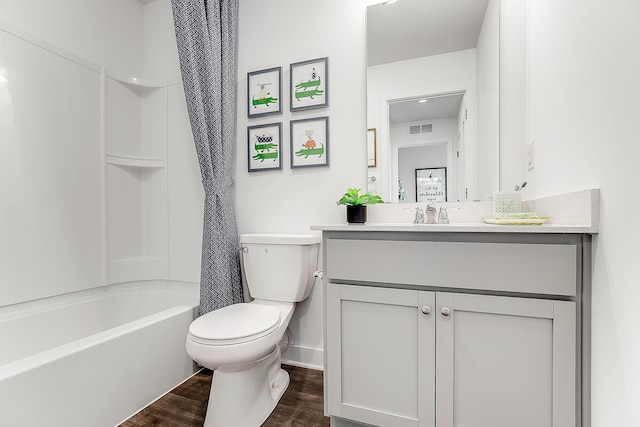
135 161
140 86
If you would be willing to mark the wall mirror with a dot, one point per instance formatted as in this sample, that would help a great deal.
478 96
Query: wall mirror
432 96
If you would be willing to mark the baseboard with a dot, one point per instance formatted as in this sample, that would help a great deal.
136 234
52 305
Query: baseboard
304 357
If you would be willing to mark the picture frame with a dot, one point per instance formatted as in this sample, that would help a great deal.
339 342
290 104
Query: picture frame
431 184
264 92
309 142
371 147
309 84
264 147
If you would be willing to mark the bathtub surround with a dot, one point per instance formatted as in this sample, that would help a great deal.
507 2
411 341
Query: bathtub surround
206 35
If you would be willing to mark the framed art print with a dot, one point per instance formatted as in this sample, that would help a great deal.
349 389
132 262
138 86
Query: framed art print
264 147
309 142
309 84
431 184
264 92
371 148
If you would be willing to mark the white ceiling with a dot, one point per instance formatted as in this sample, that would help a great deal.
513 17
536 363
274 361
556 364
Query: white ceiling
440 107
410 29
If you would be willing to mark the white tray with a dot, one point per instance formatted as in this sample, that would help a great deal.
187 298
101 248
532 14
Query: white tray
516 221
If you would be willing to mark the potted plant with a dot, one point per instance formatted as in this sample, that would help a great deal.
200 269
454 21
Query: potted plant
357 204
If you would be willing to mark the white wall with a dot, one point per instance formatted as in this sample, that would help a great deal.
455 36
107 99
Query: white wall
288 201
582 103
513 97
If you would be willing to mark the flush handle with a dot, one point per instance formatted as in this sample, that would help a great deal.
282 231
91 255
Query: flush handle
426 310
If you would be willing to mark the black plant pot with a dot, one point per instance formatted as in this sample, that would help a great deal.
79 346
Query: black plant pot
357 214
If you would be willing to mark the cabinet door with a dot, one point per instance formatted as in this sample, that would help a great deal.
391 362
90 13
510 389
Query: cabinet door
380 355
504 362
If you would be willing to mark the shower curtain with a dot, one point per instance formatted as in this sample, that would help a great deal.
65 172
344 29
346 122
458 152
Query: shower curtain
206 35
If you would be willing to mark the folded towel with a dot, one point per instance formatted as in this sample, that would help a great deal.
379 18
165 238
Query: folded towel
516 215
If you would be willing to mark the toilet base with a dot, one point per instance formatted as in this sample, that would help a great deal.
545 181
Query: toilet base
246 398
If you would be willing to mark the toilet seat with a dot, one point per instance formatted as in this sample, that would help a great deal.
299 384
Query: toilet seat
235 324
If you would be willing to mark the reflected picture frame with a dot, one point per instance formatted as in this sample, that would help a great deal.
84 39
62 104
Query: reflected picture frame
371 148
431 184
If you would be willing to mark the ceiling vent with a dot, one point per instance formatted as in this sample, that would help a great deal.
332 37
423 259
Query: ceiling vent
418 129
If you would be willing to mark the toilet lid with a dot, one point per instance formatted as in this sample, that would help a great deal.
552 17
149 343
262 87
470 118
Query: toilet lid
235 324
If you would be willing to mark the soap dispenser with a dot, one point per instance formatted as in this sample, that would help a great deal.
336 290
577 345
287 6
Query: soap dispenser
431 214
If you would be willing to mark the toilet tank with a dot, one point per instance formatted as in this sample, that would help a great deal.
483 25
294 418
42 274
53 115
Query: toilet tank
279 267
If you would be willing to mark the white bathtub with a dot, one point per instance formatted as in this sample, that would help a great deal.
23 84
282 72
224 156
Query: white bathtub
93 358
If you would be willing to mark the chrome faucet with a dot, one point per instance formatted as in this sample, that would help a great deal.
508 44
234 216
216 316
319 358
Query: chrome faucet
431 214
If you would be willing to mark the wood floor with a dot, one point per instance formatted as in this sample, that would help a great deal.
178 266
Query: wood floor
186 405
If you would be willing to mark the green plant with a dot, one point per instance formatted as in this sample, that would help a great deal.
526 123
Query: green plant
352 197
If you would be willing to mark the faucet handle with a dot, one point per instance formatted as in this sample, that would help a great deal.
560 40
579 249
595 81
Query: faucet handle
443 217
419 218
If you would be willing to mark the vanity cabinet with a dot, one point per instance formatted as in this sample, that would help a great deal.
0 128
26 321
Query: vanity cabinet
434 330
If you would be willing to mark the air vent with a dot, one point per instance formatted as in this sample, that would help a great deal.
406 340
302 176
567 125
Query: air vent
418 129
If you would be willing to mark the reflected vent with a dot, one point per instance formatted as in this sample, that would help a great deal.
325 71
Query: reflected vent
418 129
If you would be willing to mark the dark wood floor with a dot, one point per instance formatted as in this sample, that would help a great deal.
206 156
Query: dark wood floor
186 405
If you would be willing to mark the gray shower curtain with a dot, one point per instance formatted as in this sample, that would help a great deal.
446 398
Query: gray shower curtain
206 34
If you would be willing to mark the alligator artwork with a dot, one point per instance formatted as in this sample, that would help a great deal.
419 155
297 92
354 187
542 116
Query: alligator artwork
263 97
310 150
265 156
310 88
264 143
263 101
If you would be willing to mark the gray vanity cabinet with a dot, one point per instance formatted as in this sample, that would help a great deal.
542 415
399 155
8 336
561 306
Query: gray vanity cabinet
381 356
430 349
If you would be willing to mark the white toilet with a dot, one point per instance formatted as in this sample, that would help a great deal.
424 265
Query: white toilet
240 343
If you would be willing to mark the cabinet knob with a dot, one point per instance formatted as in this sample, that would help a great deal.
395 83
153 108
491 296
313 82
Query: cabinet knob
426 309
446 311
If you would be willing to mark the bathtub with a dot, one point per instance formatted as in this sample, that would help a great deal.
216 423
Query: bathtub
94 358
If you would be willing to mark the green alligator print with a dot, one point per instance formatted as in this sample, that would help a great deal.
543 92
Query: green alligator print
308 93
308 89
308 84
264 147
263 101
264 156
306 152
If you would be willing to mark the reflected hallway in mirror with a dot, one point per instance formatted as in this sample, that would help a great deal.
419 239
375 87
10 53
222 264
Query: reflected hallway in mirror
426 133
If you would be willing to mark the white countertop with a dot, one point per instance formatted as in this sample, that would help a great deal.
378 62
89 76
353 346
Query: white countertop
571 213
460 228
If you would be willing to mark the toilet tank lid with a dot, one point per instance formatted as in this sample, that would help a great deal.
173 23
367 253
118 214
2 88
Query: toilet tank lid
281 239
